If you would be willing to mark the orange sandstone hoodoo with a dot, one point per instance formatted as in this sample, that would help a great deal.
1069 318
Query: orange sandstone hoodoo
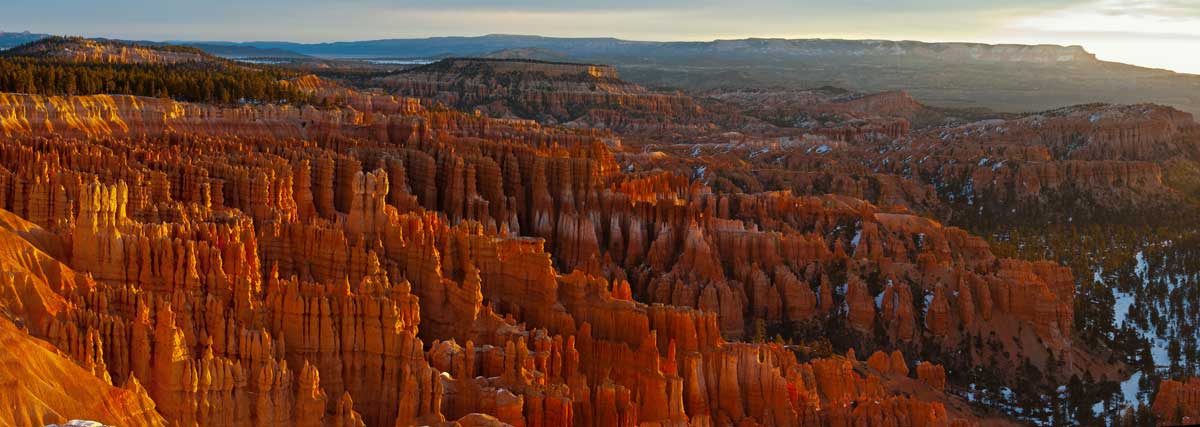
386 265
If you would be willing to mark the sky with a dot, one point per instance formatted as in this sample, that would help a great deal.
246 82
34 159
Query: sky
1153 33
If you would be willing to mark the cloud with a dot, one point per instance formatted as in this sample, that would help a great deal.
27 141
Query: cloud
1120 18
1172 9
799 6
1155 33
313 20
765 11
1149 32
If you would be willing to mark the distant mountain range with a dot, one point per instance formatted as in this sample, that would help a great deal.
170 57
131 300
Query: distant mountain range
230 50
1011 78
9 40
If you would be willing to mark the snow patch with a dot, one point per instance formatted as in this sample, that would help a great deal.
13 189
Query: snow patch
79 423
1129 389
1121 308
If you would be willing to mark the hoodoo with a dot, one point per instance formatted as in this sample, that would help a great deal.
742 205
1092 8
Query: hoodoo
461 235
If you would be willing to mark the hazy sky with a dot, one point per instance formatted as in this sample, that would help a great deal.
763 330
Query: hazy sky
1157 33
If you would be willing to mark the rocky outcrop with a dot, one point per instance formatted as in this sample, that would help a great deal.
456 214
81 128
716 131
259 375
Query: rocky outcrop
506 66
932 375
834 113
77 49
38 386
1143 132
1177 402
578 95
888 364
1087 163
1111 184
1104 158
272 265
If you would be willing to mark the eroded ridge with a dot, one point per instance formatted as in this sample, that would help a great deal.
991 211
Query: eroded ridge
382 264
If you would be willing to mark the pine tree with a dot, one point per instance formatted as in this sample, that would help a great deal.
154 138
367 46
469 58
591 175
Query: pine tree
760 331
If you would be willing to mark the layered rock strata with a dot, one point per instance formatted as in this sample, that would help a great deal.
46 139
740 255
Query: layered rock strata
271 265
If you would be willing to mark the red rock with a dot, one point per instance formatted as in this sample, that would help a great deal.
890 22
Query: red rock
897 311
880 362
932 375
578 95
861 308
1177 402
355 249
77 49
62 390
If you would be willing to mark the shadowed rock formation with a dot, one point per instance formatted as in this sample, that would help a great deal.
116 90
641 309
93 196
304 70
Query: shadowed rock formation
1178 402
398 266
576 95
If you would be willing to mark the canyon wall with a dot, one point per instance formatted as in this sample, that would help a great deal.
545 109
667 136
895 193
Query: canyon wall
397 266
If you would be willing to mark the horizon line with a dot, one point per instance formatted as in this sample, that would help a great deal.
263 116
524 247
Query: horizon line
636 40
1080 46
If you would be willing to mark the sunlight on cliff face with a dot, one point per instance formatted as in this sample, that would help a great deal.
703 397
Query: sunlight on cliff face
1153 33
95 115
